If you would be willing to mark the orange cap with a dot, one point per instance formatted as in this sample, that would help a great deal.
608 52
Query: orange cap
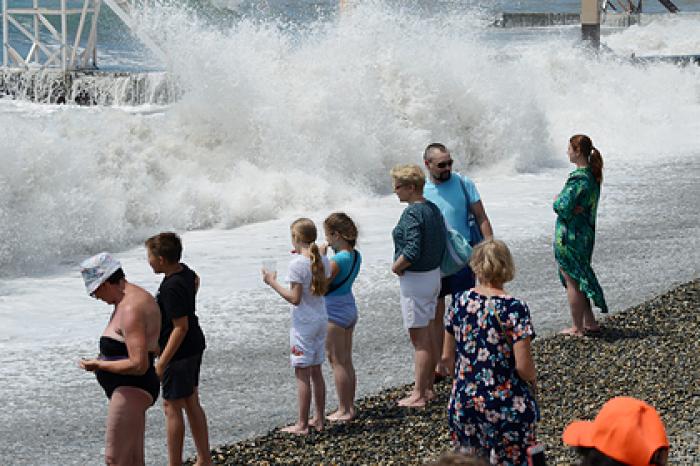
625 429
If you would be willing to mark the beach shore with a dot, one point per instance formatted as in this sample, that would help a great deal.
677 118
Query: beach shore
648 351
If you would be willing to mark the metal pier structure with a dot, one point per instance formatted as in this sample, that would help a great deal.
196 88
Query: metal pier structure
68 49
594 13
613 13
60 65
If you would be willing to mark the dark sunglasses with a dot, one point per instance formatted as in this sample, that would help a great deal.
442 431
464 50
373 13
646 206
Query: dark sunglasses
445 164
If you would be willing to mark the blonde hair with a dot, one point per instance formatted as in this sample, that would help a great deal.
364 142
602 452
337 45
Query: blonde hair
492 262
341 223
409 174
304 231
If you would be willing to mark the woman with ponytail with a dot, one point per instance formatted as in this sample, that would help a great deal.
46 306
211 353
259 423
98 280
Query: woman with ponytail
576 206
308 282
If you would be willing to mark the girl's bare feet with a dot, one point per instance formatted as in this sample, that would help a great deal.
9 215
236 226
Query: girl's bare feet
295 429
341 416
416 400
413 396
571 332
317 424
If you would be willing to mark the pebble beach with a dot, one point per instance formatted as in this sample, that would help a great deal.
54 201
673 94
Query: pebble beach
649 351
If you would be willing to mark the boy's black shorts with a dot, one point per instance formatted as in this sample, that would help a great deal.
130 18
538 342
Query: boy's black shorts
181 377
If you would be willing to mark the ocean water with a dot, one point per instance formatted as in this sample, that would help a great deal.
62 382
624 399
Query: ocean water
291 109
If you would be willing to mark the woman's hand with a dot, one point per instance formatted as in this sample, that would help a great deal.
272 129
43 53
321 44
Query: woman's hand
446 366
524 364
160 369
449 347
90 365
269 277
400 265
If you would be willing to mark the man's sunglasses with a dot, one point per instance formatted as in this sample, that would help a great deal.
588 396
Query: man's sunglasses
445 164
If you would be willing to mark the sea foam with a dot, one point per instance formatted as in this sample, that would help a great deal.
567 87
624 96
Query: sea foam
275 119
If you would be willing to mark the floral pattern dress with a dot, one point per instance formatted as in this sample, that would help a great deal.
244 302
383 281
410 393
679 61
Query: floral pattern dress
574 235
491 411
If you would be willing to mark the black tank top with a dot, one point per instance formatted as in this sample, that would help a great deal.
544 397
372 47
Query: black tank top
113 350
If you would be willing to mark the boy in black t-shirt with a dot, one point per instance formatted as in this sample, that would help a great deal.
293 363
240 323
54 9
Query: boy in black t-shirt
182 344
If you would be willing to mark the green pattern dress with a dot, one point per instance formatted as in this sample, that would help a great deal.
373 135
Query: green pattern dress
574 237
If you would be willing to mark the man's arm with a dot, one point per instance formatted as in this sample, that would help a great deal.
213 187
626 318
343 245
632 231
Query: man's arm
482 219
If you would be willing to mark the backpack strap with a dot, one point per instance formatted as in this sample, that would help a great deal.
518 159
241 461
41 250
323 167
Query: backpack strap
464 191
332 288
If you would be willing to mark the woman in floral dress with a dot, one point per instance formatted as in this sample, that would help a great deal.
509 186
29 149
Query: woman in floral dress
492 410
576 207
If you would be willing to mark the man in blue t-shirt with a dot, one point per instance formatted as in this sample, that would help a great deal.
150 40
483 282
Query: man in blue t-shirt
457 197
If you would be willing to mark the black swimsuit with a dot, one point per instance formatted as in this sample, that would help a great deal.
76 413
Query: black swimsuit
110 350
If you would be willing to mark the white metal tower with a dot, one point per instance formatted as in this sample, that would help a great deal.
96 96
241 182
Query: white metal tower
68 47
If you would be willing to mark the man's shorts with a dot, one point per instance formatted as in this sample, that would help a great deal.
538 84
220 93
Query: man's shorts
181 377
458 282
308 346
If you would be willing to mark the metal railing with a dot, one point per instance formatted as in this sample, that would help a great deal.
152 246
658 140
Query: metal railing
65 49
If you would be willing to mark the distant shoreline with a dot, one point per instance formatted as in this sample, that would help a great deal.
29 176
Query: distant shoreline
648 351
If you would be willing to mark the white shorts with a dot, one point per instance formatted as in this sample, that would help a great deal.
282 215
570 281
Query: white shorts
308 347
419 294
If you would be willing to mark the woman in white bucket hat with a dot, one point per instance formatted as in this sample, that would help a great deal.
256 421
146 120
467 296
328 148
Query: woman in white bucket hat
124 367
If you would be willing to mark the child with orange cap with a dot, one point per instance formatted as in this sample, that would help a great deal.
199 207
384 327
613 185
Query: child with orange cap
626 431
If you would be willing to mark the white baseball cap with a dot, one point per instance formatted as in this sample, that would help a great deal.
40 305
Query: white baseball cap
97 269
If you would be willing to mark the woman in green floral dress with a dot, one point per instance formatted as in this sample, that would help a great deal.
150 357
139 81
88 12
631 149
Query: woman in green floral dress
576 207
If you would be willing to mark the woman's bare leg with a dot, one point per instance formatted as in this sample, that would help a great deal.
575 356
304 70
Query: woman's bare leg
424 366
126 425
581 313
